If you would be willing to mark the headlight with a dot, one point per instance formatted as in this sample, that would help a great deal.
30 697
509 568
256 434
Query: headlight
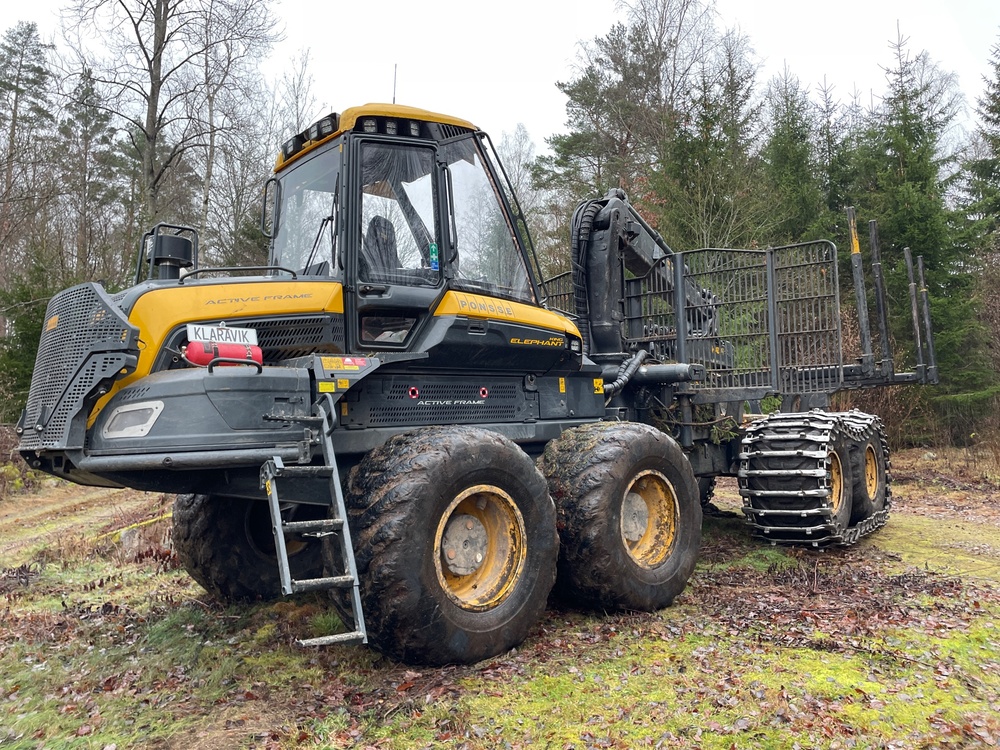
132 420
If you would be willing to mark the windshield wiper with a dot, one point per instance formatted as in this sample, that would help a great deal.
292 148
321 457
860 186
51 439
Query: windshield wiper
331 221
327 220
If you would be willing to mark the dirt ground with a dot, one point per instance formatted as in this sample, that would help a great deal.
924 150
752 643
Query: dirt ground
946 515
925 573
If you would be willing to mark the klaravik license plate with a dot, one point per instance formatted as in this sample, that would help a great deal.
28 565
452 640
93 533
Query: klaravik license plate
222 334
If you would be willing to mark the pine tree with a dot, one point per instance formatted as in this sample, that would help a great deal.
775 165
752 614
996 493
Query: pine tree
633 90
25 184
24 110
91 182
609 105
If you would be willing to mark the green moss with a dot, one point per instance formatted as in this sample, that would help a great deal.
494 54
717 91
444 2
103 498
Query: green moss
951 547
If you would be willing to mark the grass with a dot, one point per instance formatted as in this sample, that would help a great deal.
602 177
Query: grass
890 644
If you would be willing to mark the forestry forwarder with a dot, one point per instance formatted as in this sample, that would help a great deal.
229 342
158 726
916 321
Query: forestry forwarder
400 338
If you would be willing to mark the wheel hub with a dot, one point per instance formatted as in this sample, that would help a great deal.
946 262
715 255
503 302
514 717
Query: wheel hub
836 482
649 519
871 471
464 544
480 548
635 517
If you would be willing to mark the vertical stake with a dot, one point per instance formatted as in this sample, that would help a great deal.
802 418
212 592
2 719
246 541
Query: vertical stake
858 271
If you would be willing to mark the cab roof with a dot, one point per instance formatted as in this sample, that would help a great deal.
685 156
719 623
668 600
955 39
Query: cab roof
329 127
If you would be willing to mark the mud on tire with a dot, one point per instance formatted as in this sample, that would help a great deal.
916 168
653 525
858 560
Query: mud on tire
629 515
455 544
227 546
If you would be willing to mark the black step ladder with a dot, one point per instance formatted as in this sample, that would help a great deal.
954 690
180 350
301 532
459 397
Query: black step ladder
335 526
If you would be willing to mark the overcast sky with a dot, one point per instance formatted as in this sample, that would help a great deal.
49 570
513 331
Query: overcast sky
497 64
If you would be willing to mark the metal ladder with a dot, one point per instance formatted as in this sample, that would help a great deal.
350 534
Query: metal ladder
335 526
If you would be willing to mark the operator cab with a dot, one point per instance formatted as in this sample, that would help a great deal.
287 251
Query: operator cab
402 207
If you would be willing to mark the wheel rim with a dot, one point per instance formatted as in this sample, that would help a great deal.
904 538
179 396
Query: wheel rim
480 548
836 482
649 519
871 471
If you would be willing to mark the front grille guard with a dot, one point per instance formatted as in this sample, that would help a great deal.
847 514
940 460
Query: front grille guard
87 343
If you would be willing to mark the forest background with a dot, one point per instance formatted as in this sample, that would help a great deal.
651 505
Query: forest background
171 120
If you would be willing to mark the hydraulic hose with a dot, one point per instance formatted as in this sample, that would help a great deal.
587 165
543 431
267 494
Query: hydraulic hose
582 224
625 373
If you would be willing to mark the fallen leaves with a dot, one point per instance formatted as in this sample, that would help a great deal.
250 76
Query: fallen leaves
691 674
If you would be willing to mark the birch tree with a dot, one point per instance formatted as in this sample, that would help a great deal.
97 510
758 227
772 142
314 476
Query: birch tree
166 65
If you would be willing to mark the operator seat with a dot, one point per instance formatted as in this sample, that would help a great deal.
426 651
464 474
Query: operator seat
379 258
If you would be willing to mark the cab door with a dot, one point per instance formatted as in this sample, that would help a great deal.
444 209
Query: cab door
396 256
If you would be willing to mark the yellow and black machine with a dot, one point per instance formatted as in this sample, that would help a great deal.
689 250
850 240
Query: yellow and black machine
397 408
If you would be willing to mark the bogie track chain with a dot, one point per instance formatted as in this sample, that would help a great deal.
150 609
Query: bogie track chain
786 476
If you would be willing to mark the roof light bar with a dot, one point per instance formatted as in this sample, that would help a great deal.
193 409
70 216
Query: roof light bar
316 132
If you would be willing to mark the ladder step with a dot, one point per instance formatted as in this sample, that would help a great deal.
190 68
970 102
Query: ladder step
329 640
318 525
303 419
336 529
303 472
318 584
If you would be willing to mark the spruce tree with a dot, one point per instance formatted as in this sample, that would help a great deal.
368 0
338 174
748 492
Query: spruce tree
705 190
984 171
790 160
902 183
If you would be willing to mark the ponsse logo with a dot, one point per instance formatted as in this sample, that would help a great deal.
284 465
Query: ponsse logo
550 341
475 303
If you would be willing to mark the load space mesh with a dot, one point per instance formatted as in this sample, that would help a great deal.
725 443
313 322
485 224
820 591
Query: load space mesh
756 319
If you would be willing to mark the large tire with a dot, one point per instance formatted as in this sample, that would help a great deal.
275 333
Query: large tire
456 545
797 477
870 469
841 480
629 515
226 545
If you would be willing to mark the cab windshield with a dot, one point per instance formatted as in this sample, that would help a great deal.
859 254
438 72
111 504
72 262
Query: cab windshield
402 236
307 224
400 240
485 256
